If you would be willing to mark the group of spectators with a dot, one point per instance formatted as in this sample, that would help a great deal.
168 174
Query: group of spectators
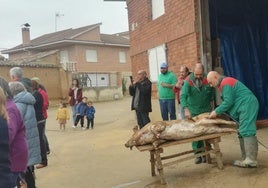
195 93
81 106
23 114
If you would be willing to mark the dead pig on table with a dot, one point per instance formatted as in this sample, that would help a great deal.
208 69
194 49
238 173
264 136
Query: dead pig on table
161 131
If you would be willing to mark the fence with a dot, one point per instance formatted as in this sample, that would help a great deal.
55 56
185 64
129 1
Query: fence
97 79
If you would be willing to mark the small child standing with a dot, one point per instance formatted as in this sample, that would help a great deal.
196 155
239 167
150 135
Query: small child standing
90 113
62 115
81 112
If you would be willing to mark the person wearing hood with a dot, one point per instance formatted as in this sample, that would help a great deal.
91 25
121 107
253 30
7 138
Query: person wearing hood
25 103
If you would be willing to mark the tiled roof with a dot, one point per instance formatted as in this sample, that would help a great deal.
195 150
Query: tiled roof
30 60
58 36
69 35
123 34
113 39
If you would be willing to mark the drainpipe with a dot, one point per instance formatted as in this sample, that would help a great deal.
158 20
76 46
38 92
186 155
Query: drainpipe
200 28
205 38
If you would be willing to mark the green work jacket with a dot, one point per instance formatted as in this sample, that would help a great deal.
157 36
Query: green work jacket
236 98
197 100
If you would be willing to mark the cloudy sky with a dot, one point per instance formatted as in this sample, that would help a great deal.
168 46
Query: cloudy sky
40 14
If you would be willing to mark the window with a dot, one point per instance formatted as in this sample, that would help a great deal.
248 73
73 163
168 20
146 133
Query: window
157 56
91 56
94 79
64 58
158 8
122 57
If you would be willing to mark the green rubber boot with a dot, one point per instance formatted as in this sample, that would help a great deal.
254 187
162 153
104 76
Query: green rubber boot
242 147
251 151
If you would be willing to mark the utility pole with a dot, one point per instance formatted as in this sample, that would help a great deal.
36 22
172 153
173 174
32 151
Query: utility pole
57 15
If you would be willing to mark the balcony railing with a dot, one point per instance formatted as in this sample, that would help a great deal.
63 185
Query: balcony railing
69 65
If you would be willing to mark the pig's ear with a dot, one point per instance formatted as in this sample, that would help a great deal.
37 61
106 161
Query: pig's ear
135 128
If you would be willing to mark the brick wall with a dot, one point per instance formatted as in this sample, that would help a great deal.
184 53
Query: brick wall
177 28
178 21
108 58
93 35
55 80
183 51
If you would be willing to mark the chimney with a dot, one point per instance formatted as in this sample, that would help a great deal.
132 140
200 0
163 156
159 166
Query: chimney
25 35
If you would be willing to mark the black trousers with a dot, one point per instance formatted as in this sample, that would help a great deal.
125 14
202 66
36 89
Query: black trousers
41 129
79 118
90 122
45 139
142 118
28 176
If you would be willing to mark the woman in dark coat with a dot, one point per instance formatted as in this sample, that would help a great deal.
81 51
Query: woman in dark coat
38 107
75 97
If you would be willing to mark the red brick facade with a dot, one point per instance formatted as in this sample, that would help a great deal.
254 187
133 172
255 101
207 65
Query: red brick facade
177 28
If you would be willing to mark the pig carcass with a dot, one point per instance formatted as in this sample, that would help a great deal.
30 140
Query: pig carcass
161 131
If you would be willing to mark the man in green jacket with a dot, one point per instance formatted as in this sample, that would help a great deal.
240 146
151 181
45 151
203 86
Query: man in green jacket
242 105
197 97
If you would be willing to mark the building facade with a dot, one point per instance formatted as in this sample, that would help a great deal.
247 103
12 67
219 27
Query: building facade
163 31
100 61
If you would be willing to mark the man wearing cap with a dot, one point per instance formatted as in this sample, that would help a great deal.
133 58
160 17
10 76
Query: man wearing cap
166 82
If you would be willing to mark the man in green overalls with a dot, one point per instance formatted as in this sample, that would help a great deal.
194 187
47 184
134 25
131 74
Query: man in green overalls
242 105
197 97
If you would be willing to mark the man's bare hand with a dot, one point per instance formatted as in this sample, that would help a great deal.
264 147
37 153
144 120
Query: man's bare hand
212 115
187 113
163 84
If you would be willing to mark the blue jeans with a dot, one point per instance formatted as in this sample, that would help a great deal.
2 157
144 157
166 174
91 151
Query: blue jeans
182 112
167 107
74 112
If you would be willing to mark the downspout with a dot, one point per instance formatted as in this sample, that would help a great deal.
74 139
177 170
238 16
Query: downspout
200 29
205 39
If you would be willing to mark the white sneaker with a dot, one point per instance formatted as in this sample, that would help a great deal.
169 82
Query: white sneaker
83 128
73 126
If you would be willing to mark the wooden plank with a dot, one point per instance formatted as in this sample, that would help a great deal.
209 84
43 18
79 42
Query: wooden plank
185 159
203 149
156 159
171 143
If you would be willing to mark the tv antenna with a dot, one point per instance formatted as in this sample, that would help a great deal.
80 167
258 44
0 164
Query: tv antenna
57 15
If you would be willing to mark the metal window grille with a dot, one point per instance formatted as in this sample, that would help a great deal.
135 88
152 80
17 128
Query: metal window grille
96 79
